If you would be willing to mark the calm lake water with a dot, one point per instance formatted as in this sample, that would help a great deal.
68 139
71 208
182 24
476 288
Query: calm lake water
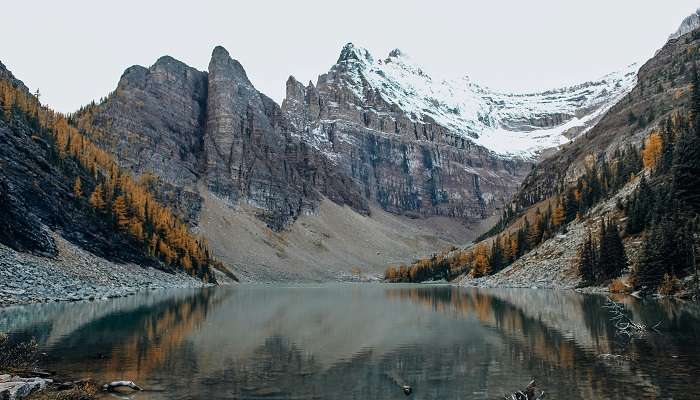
353 341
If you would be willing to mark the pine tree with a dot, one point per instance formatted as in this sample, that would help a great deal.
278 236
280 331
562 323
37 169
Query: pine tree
685 170
481 261
651 153
603 261
639 207
616 258
652 266
587 260
496 259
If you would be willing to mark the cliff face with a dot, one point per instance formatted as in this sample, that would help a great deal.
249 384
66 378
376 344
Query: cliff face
155 120
189 128
405 165
252 157
221 151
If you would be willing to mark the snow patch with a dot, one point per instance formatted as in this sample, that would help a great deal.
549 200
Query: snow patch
509 124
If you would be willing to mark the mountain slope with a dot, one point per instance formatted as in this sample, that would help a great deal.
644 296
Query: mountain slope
231 163
510 124
37 192
412 158
56 241
648 134
424 147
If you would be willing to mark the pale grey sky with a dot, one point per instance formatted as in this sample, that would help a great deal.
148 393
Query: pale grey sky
75 51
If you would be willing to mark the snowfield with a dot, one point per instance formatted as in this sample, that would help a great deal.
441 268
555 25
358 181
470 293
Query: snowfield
510 124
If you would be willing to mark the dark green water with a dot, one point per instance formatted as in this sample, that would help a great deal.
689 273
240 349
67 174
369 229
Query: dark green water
358 341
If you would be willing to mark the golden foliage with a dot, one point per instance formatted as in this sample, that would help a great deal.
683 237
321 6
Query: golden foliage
620 285
133 207
481 261
558 215
78 188
651 153
97 198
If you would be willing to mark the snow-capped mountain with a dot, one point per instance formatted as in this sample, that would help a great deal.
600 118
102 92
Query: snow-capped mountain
509 124
690 23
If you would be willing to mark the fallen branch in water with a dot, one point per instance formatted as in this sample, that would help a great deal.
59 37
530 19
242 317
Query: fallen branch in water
529 393
623 322
110 387
405 388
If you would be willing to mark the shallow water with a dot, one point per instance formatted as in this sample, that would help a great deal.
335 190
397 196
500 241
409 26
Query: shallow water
354 341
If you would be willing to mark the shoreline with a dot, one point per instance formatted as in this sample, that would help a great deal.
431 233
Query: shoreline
77 275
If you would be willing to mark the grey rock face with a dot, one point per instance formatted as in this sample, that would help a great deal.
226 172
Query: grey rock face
155 118
406 166
188 127
154 123
252 157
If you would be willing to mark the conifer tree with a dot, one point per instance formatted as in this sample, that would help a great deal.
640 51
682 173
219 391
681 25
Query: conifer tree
685 170
587 260
558 215
613 259
96 198
652 266
120 210
534 234
602 264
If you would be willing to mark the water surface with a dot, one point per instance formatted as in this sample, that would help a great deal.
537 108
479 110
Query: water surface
345 341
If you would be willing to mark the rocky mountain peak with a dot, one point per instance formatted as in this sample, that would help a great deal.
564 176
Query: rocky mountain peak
689 24
220 52
135 73
352 53
509 124
222 65
169 64
295 93
7 74
396 53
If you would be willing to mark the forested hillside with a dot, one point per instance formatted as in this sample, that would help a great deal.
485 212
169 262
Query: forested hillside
53 178
648 145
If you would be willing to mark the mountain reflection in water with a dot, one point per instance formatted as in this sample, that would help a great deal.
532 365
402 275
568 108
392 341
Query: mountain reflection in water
344 341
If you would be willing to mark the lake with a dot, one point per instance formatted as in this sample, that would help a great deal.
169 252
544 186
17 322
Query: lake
361 341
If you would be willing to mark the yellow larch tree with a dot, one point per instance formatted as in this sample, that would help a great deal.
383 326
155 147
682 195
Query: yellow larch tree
78 188
651 153
96 198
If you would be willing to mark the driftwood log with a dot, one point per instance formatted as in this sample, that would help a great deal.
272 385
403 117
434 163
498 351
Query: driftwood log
529 393
405 388
112 386
624 324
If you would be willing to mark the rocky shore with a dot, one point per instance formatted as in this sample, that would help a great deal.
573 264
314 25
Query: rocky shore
15 387
74 275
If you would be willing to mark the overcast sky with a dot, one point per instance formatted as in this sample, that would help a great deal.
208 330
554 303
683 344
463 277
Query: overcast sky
75 51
